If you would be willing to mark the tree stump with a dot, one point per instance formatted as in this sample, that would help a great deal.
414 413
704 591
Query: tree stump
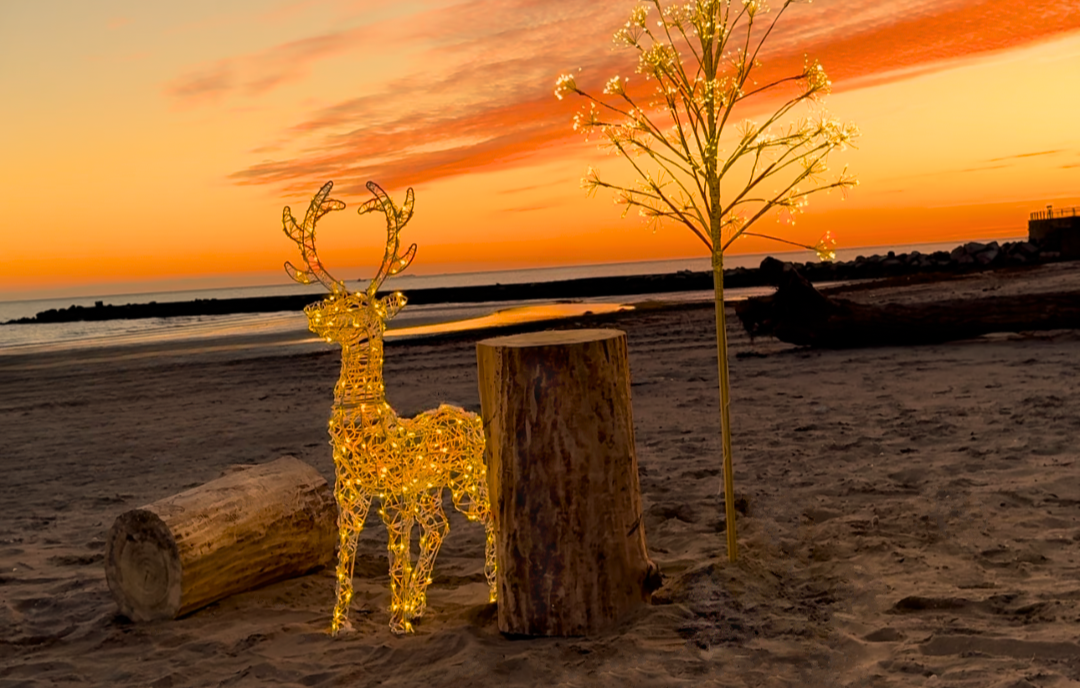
562 470
246 529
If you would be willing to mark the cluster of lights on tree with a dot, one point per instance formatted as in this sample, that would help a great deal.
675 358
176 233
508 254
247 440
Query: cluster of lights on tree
701 58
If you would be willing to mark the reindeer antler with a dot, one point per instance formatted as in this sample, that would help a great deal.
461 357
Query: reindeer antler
304 236
396 219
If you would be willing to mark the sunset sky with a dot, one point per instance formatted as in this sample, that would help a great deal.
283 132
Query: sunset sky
149 146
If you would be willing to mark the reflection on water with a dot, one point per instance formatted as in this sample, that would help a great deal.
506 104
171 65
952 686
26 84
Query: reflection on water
261 330
47 337
510 316
249 331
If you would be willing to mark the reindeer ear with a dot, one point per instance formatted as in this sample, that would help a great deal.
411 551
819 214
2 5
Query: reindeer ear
393 303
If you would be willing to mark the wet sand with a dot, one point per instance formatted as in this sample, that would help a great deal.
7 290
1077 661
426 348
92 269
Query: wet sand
913 515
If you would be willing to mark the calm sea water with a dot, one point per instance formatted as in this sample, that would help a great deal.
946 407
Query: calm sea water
433 318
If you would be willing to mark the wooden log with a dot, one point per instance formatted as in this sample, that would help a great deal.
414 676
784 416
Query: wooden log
570 543
241 531
799 314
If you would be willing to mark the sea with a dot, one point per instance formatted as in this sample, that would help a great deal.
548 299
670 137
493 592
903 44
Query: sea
413 321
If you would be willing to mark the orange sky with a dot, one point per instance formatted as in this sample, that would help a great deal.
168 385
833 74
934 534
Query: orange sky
151 145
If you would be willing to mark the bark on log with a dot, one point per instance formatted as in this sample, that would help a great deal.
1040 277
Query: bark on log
570 543
246 529
799 314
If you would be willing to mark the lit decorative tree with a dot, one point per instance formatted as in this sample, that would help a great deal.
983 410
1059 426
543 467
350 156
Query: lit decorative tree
700 56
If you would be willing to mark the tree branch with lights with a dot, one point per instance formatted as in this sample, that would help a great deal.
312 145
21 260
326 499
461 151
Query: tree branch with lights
699 58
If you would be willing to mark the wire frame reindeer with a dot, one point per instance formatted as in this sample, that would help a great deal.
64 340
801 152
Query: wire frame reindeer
404 462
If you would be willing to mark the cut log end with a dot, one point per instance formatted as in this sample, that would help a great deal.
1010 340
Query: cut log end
142 566
241 531
560 338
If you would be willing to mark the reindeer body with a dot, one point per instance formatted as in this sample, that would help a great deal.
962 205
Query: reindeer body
405 463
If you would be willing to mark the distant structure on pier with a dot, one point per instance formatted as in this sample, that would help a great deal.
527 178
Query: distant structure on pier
1056 229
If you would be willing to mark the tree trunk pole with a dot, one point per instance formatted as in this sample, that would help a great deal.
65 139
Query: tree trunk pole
725 403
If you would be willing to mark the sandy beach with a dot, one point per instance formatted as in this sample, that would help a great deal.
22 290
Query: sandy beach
912 515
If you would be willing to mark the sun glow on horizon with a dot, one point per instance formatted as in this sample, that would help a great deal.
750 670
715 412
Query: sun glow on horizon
162 139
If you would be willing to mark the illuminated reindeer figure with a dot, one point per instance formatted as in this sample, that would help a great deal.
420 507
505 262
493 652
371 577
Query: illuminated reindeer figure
404 462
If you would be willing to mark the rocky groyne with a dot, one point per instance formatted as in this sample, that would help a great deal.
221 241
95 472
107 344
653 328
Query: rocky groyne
967 257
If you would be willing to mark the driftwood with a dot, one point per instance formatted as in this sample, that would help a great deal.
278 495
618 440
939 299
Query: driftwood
799 314
246 529
570 542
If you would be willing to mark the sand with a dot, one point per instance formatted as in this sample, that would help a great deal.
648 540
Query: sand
913 517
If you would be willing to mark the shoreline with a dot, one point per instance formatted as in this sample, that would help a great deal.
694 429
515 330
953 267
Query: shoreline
301 342
903 289
966 258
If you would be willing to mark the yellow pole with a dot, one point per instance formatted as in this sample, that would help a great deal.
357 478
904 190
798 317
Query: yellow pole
725 403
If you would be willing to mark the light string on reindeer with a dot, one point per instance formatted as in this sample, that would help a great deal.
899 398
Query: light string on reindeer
404 463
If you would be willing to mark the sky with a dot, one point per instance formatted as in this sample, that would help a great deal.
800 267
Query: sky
148 146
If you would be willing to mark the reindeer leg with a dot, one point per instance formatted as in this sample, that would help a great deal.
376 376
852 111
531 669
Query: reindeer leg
470 492
352 512
433 530
488 517
398 513
480 509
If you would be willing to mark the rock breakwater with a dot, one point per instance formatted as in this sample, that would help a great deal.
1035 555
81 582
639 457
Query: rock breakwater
964 258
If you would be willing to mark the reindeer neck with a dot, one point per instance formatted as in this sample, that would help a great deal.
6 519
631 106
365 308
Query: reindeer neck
360 386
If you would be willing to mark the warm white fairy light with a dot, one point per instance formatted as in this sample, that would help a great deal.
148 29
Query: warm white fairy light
403 462
825 248
679 128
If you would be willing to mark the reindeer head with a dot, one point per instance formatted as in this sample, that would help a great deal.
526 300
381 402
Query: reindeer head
343 317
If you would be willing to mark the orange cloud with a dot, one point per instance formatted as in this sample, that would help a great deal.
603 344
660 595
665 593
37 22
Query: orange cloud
207 84
482 92
902 43
1027 155
256 74
421 147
